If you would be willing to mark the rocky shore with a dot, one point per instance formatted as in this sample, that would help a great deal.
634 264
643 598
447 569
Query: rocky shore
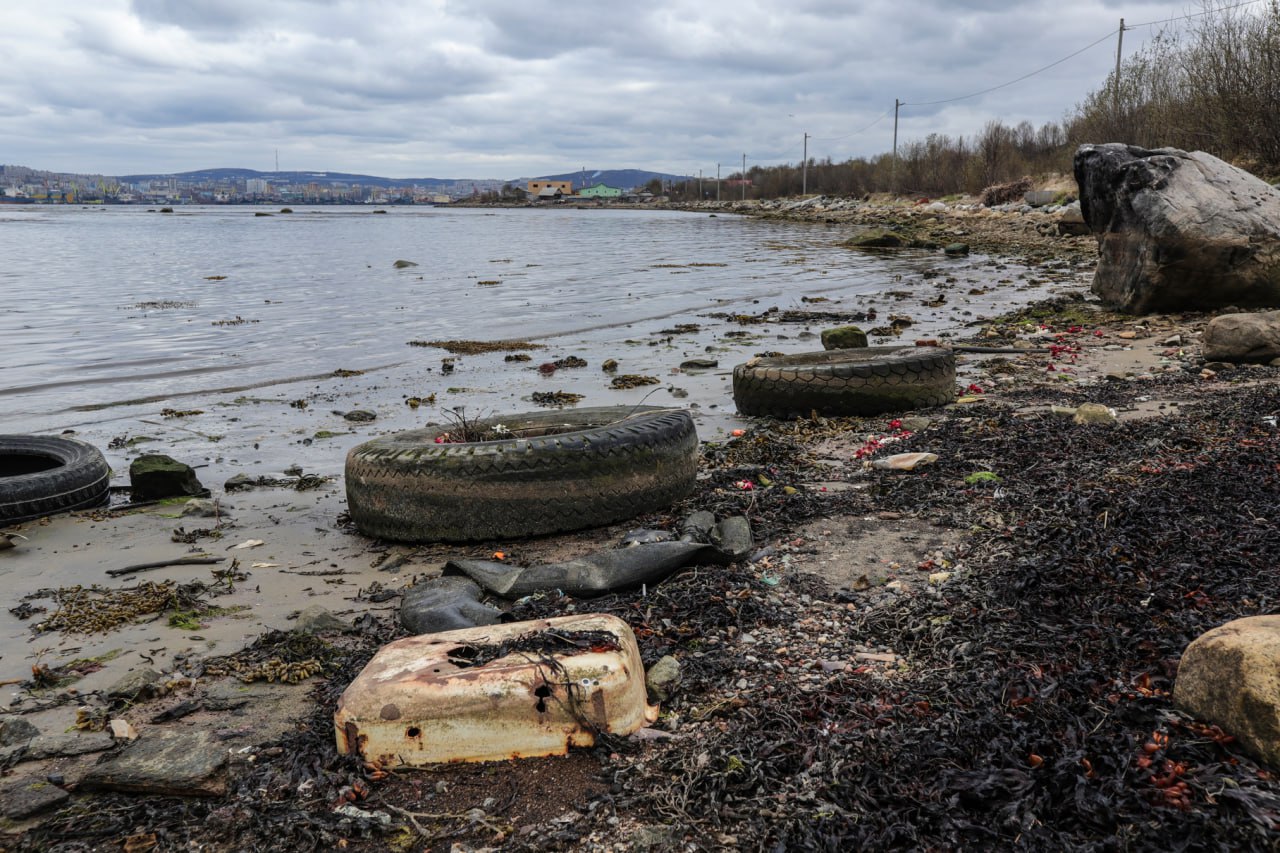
977 652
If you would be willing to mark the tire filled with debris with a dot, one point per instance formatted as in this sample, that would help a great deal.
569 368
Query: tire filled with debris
857 382
521 475
43 475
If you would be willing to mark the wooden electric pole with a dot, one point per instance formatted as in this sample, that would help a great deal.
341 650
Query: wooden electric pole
804 171
893 170
744 177
1115 89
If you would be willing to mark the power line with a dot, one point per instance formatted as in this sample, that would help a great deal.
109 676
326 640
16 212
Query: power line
1082 50
1194 15
882 117
1106 37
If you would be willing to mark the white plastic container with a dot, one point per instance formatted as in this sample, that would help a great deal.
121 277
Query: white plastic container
497 692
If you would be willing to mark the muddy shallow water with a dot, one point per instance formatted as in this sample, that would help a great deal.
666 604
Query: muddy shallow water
118 318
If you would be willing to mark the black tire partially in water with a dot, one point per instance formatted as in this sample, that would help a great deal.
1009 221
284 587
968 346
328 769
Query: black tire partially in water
550 472
44 475
864 381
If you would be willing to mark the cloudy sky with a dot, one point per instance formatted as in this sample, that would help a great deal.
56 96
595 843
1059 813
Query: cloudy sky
510 88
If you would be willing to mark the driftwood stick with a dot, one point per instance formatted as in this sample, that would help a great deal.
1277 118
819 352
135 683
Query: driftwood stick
160 564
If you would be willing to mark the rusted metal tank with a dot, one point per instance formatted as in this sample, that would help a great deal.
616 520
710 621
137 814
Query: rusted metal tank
496 692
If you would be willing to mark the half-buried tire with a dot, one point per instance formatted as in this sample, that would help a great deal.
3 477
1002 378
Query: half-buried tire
550 472
864 381
44 475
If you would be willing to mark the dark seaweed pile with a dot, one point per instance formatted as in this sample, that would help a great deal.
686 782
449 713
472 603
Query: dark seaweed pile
1036 712
542 643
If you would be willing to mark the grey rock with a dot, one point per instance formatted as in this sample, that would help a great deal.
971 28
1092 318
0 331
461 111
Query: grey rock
137 686
444 604
65 745
1071 221
1072 214
1179 231
238 483
844 337
184 764
663 678
318 620
732 537
1252 338
15 730
916 424
30 797
654 837
202 508
154 476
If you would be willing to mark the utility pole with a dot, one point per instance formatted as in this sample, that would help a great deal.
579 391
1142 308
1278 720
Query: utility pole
699 185
893 172
744 177
1115 95
717 182
804 171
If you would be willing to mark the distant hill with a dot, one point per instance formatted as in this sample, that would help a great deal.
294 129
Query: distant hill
622 178
322 178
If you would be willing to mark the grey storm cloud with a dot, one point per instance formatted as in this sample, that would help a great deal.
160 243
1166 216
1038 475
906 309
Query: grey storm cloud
505 88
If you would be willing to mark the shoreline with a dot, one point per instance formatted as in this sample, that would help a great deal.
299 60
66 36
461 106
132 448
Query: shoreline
792 597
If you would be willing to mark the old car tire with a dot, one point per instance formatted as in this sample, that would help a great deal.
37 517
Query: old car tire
43 475
560 471
864 381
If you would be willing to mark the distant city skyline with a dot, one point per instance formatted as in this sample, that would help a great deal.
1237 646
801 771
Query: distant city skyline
234 186
502 88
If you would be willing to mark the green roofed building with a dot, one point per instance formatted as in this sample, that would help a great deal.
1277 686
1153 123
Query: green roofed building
600 191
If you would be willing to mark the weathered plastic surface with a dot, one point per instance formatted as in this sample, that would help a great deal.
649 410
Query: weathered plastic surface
418 702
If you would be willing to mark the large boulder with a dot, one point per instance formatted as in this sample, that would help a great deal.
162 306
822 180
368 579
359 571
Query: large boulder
1178 231
1243 338
1228 676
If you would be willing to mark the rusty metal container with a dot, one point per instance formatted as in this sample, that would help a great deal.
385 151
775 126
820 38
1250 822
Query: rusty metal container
496 692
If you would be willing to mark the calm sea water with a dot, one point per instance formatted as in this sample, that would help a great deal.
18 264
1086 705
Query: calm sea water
118 303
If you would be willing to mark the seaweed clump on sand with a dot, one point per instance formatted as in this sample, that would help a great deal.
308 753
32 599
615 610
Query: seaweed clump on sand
286 794
97 609
477 347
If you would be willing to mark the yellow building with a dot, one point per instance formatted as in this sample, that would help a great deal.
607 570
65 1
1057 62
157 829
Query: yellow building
564 187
